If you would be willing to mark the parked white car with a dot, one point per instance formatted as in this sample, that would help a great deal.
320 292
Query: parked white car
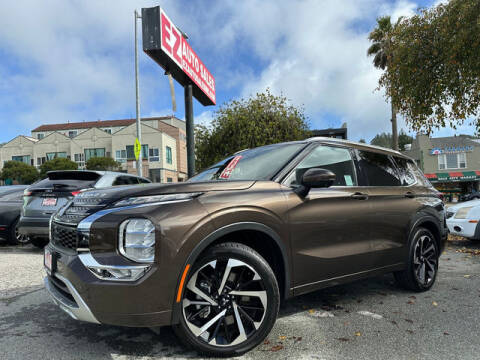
463 219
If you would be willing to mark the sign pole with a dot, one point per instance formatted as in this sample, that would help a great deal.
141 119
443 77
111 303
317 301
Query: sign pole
189 128
137 98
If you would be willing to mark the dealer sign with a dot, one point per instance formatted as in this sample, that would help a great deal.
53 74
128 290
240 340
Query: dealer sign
165 44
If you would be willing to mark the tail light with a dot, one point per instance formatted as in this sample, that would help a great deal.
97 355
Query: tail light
27 192
440 195
75 193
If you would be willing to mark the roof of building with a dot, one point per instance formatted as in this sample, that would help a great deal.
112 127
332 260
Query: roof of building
91 124
453 140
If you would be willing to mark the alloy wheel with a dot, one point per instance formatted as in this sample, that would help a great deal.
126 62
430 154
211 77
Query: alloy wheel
225 302
425 260
21 238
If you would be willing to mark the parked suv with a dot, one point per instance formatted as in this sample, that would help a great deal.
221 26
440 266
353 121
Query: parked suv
46 196
215 256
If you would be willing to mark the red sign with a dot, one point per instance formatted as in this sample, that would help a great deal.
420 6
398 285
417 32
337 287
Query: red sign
178 50
230 167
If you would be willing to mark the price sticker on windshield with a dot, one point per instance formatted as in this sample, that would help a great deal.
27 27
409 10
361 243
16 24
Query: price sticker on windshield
227 172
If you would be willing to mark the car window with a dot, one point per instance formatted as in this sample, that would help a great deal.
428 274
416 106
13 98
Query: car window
379 169
126 180
254 164
143 181
337 160
404 166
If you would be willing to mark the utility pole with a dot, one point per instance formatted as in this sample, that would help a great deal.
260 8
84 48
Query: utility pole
189 127
137 97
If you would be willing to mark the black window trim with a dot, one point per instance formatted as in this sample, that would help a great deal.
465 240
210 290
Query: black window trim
308 150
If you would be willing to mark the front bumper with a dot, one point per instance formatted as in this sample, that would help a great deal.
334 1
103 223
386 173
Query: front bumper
37 227
73 305
462 227
83 296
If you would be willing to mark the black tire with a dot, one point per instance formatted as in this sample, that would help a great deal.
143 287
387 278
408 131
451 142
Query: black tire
423 252
14 237
254 333
39 242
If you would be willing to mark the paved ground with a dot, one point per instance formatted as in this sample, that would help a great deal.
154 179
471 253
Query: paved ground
369 319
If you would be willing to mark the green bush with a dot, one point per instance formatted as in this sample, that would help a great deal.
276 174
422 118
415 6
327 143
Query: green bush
103 163
17 171
57 164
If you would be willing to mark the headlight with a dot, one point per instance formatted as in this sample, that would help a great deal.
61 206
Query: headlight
463 212
137 240
156 199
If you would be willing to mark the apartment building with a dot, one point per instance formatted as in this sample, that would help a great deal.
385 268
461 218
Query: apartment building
163 145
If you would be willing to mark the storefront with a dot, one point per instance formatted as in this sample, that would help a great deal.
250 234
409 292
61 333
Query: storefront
452 164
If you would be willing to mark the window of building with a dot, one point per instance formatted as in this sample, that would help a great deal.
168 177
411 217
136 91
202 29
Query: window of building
91 153
168 154
109 131
130 152
169 180
145 151
155 175
379 169
337 160
22 158
54 155
153 154
40 136
41 160
72 133
80 160
121 156
452 161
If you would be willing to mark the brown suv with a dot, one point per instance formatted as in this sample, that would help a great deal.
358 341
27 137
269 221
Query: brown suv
215 256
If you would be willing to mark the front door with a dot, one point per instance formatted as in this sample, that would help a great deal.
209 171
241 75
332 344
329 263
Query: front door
330 229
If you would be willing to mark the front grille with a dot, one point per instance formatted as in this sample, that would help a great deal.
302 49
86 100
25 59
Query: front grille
79 209
449 214
64 236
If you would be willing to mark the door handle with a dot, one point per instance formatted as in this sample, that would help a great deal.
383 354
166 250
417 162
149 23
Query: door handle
360 196
409 195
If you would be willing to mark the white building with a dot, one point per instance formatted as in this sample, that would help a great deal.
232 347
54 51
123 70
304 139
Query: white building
163 145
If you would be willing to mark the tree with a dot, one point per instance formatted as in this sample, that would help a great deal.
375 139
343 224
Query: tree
433 77
57 164
362 141
385 140
248 123
381 48
19 172
103 163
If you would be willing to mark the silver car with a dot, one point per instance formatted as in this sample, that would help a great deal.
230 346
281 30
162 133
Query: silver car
46 196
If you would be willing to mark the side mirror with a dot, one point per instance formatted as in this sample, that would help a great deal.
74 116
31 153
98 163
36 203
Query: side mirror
315 178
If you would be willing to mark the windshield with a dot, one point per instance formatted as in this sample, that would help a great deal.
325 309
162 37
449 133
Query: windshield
256 164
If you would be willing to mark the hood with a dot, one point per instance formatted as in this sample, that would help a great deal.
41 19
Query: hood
109 195
454 208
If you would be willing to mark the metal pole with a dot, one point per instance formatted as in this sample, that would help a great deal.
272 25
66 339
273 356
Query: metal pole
190 132
137 97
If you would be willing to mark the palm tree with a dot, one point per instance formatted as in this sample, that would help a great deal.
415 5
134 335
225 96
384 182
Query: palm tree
381 38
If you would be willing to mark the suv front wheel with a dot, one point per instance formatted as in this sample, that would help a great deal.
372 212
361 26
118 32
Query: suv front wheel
230 302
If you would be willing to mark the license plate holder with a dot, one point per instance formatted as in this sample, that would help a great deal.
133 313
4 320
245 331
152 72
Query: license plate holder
49 261
49 202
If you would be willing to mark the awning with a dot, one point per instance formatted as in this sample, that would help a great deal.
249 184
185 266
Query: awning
454 176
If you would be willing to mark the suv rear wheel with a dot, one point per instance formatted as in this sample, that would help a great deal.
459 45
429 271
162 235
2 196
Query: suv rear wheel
422 264
230 301
15 237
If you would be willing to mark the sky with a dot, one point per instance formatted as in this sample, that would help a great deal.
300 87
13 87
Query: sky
67 61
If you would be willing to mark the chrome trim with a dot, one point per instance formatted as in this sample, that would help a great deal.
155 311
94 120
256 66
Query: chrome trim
121 239
79 310
90 263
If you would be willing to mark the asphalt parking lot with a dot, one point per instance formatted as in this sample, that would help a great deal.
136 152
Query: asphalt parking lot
370 319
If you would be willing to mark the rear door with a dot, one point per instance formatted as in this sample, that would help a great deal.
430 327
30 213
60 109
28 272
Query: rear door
46 196
393 203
